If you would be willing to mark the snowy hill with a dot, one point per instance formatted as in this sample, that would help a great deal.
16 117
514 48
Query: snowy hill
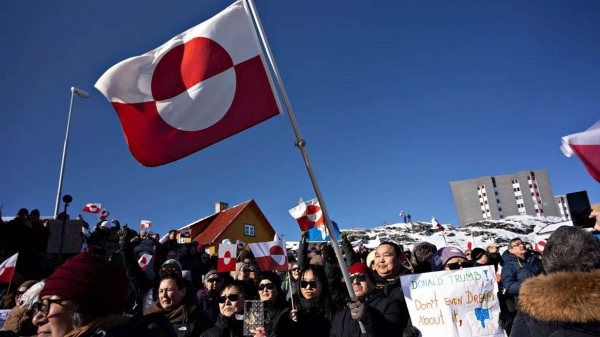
499 231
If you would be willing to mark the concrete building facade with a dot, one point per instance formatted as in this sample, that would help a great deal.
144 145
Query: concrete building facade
496 197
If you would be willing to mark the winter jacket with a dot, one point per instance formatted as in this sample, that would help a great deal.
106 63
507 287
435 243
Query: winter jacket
226 327
381 318
187 320
273 311
20 322
559 304
516 270
155 325
311 321
209 303
392 289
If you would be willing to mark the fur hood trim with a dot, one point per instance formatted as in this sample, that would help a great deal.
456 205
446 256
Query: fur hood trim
562 297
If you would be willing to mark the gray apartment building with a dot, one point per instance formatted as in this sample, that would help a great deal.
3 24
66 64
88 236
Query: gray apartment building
496 197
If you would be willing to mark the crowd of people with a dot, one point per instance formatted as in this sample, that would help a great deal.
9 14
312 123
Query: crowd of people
105 292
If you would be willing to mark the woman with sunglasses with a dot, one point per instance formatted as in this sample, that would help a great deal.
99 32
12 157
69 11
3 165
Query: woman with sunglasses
291 280
185 316
313 306
274 304
244 272
19 320
230 322
449 258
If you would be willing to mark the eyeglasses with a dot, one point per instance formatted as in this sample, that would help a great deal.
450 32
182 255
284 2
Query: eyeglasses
268 286
358 277
213 280
44 305
305 284
517 245
295 269
249 270
230 297
458 265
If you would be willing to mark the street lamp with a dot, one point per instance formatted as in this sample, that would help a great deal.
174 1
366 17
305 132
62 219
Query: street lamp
79 93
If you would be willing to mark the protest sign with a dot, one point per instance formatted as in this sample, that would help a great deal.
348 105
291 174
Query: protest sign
73 238
460 302
3 316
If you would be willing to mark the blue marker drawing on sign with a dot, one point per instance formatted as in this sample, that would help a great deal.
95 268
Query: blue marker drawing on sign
481 315
486 276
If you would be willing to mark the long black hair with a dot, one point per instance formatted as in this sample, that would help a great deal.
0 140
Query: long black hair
324 301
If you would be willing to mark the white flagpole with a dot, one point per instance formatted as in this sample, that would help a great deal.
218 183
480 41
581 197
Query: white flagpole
301 143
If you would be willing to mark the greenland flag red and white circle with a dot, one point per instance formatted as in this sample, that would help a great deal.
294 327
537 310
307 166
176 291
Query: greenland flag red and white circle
586 146
202 86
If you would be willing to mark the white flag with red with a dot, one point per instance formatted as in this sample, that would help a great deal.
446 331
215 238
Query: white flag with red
540 244
227 257
471 243
144 261
308 214
92 208
586 146
103 215
270 255
146 224
240 245
7 269
202 86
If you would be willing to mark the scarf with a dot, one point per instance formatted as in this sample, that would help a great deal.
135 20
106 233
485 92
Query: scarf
179 315
99 323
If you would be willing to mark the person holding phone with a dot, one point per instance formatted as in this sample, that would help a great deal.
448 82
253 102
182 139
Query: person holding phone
230 322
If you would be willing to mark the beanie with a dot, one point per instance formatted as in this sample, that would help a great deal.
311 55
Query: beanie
96 284
439 259
271 276
477 253
363 269
209 273
171 263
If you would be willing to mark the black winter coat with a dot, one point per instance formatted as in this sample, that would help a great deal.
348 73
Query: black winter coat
312 322
559 304
392 289
381 319
226 327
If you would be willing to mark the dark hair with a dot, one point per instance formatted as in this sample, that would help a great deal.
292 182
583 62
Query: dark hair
571 249
276 280
240 285
513 241
325 302
174 276
397 249
423 251
173 231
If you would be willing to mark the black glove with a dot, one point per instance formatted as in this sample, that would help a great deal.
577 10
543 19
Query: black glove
123 233
357 310
304 236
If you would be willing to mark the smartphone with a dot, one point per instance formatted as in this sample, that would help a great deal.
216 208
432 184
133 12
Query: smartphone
253 316
580 208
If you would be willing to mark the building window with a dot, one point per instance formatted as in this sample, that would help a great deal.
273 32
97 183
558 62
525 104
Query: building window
248 230
484 194
481 204
499 209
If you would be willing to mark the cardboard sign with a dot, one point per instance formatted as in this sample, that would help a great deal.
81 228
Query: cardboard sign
460 302
3 316
73 238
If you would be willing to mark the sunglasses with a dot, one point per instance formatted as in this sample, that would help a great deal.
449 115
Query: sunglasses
168 269
44 306
213 280
358 277
295 269
305 284
231 298
268 286
458 265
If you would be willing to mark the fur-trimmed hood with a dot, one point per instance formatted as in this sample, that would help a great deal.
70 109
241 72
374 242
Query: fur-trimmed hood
562 297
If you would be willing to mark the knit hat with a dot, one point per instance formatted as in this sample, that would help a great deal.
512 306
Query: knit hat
209 274
439 259
477 253
271 276
492 244
363 269
98 285
370 258
171 263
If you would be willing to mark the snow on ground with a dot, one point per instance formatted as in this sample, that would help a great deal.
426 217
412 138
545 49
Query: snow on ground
483 232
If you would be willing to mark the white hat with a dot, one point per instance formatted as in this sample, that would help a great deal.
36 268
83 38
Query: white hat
492 244
107 224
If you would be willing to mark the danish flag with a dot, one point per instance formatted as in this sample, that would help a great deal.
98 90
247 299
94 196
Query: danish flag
7 269
308 214
92 208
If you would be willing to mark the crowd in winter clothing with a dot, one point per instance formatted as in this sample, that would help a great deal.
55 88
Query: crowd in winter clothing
105 292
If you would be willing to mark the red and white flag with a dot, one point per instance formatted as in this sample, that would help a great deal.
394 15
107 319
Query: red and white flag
540 244
227 257
92 208
103 215
308 214
144 261
586 146
270 255
7 268
146 224
471 243
240 245
202 86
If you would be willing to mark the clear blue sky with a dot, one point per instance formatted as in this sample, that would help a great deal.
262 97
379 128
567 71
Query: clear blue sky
395 99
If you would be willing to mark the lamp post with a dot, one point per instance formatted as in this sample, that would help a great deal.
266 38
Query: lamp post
79 93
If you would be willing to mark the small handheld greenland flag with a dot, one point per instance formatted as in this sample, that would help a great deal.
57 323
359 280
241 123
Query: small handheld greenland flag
7 269
586 146
202 86
308 214
227 257
270 255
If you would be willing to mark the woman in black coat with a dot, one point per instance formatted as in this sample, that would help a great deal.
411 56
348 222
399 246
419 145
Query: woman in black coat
230 321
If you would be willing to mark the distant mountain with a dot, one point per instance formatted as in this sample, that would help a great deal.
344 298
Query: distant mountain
499 231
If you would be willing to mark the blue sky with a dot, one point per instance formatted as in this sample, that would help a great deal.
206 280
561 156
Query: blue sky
395 100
